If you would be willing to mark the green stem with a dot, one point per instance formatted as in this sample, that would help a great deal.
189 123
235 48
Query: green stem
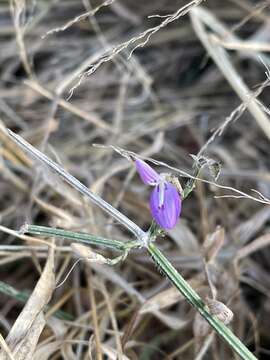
22 296
195 300
79 237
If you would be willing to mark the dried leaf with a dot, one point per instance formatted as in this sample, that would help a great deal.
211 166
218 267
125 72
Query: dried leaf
220 310
213 243
46 350
170 320
23 337
162 300
87 253
213 166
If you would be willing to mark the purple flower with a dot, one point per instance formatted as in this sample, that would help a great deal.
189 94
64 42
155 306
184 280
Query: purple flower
165 201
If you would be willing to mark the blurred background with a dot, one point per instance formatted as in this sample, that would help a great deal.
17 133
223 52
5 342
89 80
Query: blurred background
164 79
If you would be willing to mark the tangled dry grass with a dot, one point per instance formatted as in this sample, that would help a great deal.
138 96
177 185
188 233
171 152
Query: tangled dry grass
163 79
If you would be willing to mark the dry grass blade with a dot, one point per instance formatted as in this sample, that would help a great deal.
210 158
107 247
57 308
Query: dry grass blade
115 326
254 246
213 244
205 346
24 335
202 18
71 108
98 347
244 45
166 101
46 351
87 254
162 300
18 9
5 349
79 18
113 354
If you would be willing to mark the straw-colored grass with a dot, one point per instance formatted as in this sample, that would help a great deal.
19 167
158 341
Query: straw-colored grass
161 79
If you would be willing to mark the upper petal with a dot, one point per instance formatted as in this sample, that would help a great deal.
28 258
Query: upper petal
147 174
167 214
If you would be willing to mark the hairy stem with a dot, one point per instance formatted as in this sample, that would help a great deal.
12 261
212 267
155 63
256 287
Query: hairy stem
79 237
194 299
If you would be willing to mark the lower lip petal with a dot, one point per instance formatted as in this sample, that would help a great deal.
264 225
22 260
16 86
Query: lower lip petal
167 215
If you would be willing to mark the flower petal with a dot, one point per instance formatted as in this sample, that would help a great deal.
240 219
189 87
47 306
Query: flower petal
168 213
148 175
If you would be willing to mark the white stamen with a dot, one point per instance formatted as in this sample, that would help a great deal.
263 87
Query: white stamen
161 190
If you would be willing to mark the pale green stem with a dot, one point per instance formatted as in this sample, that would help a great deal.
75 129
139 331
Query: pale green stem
194 299
79 237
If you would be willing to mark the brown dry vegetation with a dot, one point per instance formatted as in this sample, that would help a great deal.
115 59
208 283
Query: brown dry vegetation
197 83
